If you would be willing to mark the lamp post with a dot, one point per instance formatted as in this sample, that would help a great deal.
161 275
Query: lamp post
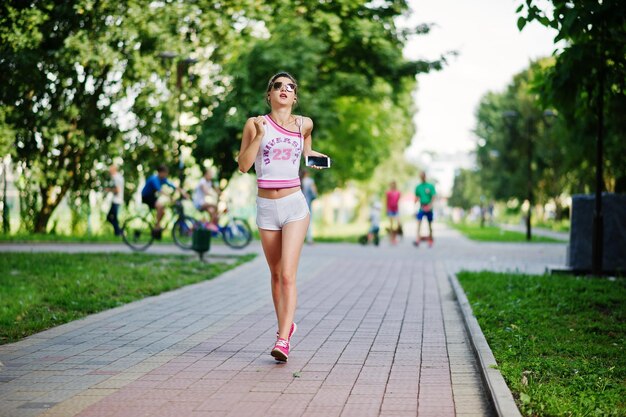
530 121
597 242
5 205
182 65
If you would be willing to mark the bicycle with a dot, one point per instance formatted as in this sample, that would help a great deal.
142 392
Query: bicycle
138 233
235 231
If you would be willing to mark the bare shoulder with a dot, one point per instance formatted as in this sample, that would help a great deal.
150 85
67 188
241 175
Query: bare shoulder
307 123
249 129
249 123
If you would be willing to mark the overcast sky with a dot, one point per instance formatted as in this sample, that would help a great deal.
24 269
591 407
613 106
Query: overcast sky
491 50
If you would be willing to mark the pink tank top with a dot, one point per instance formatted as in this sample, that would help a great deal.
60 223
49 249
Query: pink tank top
278 160
393 196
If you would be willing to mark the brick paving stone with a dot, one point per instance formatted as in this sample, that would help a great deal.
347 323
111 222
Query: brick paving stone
436 410
380 334
208 414
356 410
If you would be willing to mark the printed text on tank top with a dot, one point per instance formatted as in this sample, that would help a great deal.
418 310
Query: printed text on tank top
282 148
278 160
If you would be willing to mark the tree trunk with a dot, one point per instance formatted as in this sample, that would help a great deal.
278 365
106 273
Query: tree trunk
47 208
558 209
41 220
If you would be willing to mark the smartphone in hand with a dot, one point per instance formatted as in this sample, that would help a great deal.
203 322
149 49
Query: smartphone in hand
318 161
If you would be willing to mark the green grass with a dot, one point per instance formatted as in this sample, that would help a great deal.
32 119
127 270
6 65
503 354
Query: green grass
495 234
39 291
555 225
100 238
58 238
559 341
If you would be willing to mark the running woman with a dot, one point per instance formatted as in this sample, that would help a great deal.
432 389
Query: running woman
275 143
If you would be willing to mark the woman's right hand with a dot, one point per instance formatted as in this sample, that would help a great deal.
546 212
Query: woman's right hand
259 124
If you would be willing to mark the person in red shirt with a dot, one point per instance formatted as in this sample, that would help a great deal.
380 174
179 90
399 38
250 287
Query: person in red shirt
393 197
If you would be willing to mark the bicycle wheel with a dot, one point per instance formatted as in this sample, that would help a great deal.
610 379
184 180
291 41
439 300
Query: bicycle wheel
237 233
137 233
183 230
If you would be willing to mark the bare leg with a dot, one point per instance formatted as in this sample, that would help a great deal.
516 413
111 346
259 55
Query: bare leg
271 240
392 230
309 230
293 235
212 209
430 230
419 231
160 210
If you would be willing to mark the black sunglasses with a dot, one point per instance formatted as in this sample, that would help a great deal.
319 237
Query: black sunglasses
289 87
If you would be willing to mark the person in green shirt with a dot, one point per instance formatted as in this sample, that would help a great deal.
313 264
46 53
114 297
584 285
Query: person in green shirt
425 194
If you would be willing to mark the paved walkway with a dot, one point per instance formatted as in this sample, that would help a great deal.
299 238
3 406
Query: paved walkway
379 334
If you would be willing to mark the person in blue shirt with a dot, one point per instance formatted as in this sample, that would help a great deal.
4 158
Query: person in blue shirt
151 190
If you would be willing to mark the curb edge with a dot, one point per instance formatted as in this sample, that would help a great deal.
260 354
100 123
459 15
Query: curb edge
497 390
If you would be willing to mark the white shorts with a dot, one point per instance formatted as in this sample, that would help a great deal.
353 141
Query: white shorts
273 214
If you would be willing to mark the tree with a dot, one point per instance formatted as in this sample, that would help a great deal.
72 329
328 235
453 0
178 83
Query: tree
353 81
519 142
590 73
83 82
587 83
466 190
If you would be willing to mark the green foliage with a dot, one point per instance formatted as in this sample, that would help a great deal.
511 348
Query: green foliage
514 129
352 79
43 290
558 340
83 80
55 70
6 132
591 66
466 190
562 149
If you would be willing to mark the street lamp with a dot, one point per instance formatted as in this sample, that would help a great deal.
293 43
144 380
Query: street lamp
5 205
597 243
182 65
546 117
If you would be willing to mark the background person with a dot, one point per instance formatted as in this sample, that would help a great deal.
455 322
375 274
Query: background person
425 194
375 214
393 197
117 189
151 191
275 143
206 196
309 189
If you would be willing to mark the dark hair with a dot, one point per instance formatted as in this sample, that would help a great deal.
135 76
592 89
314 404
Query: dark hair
163 168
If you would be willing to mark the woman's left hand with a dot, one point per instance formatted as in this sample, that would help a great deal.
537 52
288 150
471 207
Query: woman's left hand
314 153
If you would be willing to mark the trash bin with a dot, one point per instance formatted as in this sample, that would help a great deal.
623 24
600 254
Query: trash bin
201 241
581 232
